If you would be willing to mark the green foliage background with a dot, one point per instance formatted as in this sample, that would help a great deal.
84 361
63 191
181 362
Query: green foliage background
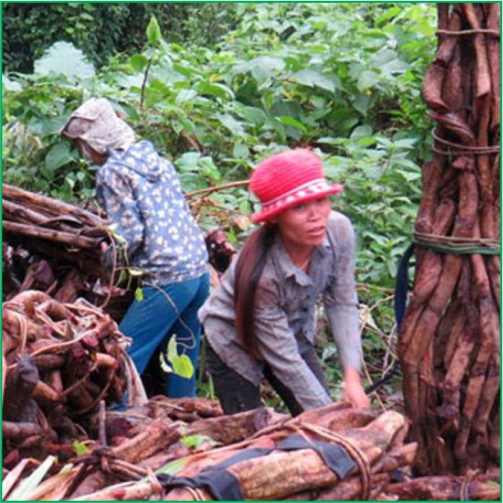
217 87
103 30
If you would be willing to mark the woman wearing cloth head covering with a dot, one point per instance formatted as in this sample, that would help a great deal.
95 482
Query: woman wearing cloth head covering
260 321
141 193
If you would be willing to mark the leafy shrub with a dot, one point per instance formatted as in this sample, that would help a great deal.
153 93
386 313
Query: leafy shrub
343 78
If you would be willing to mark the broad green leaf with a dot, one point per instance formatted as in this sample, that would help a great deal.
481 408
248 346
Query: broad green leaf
241 151
58 156
382 57
388 15
231 124
182 366
195 441
311 78
64 58
186 95
130 81
172 348
209 169
367 80
361 132
262 68
290 121
173 467
138 62
217 90
80 448
379 239
70 182
154 35
361 103
192 181
408 175
251 114
393 267
267 63
367 141
406 143
188 161
187 71
394 67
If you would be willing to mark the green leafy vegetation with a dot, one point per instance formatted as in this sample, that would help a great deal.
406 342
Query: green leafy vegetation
178 364
217 96
102 30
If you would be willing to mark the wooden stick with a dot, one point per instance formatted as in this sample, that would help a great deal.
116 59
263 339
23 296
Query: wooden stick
58 207
53 235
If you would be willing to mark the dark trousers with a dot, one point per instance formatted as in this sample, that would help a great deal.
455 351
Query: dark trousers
237 394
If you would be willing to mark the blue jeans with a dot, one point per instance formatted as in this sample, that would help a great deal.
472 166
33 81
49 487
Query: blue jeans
164 311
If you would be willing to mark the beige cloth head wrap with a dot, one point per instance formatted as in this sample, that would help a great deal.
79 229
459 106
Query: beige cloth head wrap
96 123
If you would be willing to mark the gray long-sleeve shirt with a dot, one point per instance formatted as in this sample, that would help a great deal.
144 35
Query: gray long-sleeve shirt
285 314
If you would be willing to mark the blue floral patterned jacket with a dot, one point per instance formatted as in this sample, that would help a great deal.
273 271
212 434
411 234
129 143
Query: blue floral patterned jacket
141 193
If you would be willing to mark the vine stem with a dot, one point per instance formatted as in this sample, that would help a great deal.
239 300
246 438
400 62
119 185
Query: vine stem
209 190
144 83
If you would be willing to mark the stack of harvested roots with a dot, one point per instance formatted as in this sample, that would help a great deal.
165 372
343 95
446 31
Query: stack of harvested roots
54 246
449 344
59 362
332 453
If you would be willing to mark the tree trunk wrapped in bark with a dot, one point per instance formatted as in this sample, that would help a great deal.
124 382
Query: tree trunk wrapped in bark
449 344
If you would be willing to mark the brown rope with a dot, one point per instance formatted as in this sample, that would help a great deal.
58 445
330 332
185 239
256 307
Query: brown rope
456 244
457 240
464 490
481 31
155 485
458 152
355 452
196 493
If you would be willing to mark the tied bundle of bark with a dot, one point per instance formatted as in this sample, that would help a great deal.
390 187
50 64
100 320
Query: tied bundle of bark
472 487
54 246
131 445
40 222
375 443
60 360
449 345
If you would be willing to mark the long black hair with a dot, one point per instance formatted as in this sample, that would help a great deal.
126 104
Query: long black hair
249 269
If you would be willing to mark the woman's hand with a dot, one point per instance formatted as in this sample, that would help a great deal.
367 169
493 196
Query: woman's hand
353 389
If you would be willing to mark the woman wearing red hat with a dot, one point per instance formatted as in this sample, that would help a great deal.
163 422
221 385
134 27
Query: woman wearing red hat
260 321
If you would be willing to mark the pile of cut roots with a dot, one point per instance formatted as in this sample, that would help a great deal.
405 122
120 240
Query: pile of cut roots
185 449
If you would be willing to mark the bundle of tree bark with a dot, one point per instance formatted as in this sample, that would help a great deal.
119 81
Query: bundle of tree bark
54 246
449 345
59 362
332 453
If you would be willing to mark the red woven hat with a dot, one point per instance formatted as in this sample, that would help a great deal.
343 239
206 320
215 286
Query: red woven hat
287 179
